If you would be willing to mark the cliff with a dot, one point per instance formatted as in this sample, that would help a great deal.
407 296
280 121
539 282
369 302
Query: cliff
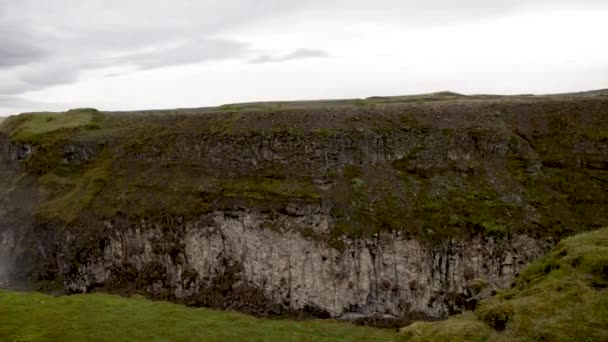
383 208
561 297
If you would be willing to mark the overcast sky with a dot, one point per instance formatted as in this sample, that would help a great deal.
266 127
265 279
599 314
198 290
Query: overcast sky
144 54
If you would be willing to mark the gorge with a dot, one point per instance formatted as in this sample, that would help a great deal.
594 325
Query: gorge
366 210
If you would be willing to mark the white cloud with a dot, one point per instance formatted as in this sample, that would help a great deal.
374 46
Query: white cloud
197 53
297 54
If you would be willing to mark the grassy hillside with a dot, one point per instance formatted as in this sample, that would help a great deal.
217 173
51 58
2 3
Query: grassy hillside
512 154
561 297
102 317
32 127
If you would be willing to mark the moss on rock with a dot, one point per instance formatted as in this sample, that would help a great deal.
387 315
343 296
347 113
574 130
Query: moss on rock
561 297
536 168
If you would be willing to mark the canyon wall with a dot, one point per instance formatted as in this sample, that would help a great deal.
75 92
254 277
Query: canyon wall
383 212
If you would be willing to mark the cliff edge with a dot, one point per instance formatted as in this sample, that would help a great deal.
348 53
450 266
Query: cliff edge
375 209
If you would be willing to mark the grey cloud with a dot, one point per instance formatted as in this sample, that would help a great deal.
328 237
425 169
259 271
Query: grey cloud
15 101
306 53
97 33
16 48
262 59
43 43
194 51
16 104
15 53
115 74
36 76
297 54
43 75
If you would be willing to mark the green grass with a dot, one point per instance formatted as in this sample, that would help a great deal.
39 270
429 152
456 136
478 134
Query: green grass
74 194
561 297
32 127
102 317
462 328
259 188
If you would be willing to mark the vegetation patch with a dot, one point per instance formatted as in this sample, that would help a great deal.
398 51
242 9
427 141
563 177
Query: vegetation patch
326 132
68 196
102 317
265 188
561 297
33 127
360 102
224 125
519 172
230 107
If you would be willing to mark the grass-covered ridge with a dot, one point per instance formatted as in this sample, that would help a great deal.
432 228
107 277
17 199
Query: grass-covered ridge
102 317
31 127
434 166
561 297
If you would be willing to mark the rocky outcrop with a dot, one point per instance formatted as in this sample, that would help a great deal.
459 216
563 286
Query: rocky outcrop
232 260
379 213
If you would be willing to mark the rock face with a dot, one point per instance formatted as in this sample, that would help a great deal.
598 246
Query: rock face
233 262
350 213
230 260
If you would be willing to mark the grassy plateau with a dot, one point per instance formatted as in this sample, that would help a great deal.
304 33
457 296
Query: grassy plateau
533 165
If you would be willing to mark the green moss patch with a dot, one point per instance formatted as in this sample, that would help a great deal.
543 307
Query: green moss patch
264 188
561 297
34 126
68 196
